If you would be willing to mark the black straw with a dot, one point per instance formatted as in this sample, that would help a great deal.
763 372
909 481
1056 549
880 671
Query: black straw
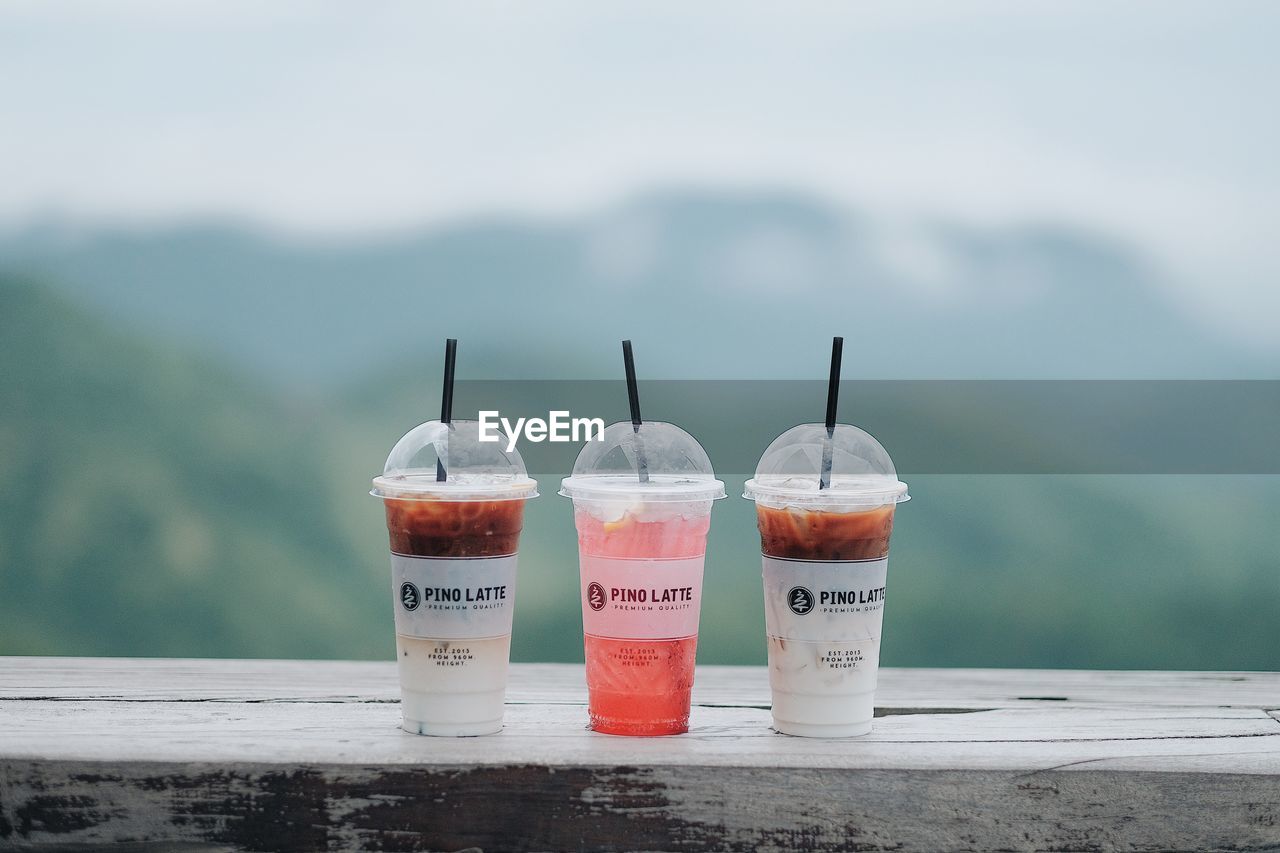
833 384
833 398
633 398
446 397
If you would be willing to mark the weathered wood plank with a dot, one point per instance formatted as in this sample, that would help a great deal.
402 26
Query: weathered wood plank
308 755
1229 741
375 681
524 807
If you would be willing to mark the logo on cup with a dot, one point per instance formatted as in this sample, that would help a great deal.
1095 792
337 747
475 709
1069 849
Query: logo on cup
595 596
800 600
409 596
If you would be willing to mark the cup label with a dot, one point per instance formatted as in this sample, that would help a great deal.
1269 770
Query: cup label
824 601
453 598
641 598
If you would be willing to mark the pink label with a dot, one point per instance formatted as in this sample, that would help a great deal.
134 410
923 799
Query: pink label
641 599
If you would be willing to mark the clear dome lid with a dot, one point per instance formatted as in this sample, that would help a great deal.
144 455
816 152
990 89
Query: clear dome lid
862 474
678 468
475 470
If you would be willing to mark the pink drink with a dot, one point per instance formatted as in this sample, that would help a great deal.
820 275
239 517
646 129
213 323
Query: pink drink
642 496
647 563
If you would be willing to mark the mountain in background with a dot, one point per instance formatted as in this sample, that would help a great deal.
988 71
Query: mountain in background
711 285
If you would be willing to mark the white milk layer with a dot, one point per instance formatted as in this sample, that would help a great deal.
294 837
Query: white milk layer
452 687
823 622
453 640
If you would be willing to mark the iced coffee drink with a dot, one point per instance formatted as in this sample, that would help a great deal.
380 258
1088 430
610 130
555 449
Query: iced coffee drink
453 564
825 560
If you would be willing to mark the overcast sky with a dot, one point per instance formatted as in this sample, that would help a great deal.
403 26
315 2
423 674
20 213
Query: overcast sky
1155 122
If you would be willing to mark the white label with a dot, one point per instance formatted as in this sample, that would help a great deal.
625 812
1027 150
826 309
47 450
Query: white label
641 598
452 598
824 601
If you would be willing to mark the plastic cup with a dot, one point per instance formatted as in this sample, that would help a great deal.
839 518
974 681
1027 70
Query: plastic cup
453 573
825 556
641 547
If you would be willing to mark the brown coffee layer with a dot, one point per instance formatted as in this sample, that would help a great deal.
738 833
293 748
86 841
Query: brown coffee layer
818 535
420 528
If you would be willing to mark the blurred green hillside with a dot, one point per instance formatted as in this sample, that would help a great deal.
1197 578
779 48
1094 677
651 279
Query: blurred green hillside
156 502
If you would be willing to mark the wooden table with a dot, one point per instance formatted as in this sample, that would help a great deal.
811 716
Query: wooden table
292 755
